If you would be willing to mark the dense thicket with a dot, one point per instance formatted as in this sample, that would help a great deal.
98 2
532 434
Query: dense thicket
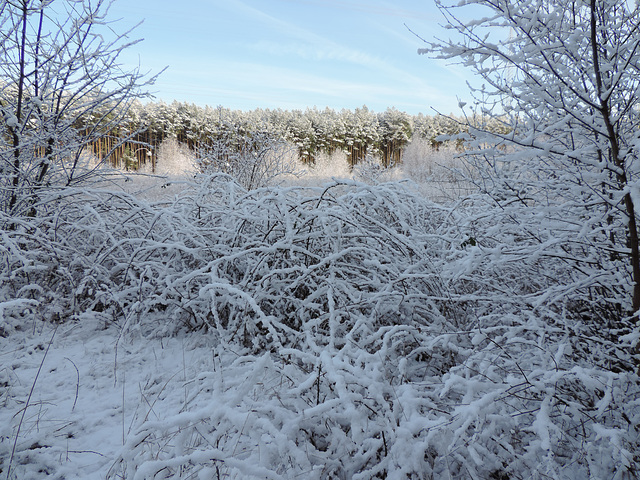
350 319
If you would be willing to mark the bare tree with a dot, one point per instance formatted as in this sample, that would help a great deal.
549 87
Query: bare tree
564 79
62 86
254 159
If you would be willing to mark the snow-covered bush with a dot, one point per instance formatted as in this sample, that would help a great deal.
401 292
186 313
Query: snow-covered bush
360 325
564 169
174 159
441 172
267 264
327 166
253 159
366 345
402 402
371 171
422 162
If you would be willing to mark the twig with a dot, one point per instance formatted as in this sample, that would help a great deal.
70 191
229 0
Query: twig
24 411
124 377
77 382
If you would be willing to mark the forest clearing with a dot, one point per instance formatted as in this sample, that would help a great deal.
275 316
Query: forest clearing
202 293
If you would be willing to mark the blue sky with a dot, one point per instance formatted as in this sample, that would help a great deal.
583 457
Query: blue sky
293 54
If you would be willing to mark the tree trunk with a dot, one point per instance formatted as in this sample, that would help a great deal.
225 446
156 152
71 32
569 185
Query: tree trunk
15 129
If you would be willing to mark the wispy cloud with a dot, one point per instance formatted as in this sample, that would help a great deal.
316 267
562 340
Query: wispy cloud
268 84
308 44
295 53
321 51
377 8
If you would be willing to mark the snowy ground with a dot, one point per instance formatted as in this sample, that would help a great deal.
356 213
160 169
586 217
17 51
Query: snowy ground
86 387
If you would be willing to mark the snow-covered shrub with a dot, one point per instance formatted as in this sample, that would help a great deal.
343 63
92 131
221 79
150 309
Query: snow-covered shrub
440 172
325 168
267 264
253 159
364 352
418 160
367 333
371 171
564 165
402 402
66 259
174 159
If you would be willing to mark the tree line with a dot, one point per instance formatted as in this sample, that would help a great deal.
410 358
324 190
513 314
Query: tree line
360 133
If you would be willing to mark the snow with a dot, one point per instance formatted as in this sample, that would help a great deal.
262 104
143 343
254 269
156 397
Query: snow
74 421
363 375
79 422
11 121
472 322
